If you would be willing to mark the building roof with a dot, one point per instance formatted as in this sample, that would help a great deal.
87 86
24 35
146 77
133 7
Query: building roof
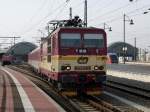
117 47
22 48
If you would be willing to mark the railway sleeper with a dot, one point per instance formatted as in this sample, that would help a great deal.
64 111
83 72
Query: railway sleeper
99 106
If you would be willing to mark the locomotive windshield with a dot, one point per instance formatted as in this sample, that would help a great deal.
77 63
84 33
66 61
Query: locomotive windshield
93 40
70 40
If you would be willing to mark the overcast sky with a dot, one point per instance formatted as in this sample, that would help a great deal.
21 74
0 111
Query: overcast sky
25 17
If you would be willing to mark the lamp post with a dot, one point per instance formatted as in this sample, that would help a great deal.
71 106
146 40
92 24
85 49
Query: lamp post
107 27
85 13
135 52
124 52
148 54
125 18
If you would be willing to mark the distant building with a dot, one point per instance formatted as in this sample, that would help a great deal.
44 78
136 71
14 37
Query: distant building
20 50
144 55
118 48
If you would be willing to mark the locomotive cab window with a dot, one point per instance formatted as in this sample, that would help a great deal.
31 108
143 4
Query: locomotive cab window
70 40
93 40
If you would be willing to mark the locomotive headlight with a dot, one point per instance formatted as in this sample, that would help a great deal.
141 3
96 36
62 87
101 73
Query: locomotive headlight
68 67
95 67
65 67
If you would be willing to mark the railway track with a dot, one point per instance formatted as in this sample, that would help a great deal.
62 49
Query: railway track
93 104
89 106
70 104
129 89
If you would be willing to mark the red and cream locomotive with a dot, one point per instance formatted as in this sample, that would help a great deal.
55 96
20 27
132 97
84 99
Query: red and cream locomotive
73 59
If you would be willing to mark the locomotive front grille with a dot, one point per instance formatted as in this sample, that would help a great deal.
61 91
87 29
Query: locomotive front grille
82 67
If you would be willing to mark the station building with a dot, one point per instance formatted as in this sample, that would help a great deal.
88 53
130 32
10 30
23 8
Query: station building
131 53
20 50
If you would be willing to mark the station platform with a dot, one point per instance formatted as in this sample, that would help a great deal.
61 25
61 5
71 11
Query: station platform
139 63
19 94
137 76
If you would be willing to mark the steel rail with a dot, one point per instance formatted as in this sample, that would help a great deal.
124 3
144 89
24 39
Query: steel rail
129 89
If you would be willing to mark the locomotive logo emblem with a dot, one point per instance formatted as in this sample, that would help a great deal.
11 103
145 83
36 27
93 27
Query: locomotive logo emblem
82 60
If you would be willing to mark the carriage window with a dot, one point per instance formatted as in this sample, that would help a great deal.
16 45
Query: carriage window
94 40
70 40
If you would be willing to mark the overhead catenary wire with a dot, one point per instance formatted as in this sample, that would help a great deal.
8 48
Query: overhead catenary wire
112 11
128 13
90 6
45 17
61 10
143 7
35 14
101 7
42 19
78 4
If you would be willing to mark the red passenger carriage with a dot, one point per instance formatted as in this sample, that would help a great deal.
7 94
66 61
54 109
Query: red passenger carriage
7 59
